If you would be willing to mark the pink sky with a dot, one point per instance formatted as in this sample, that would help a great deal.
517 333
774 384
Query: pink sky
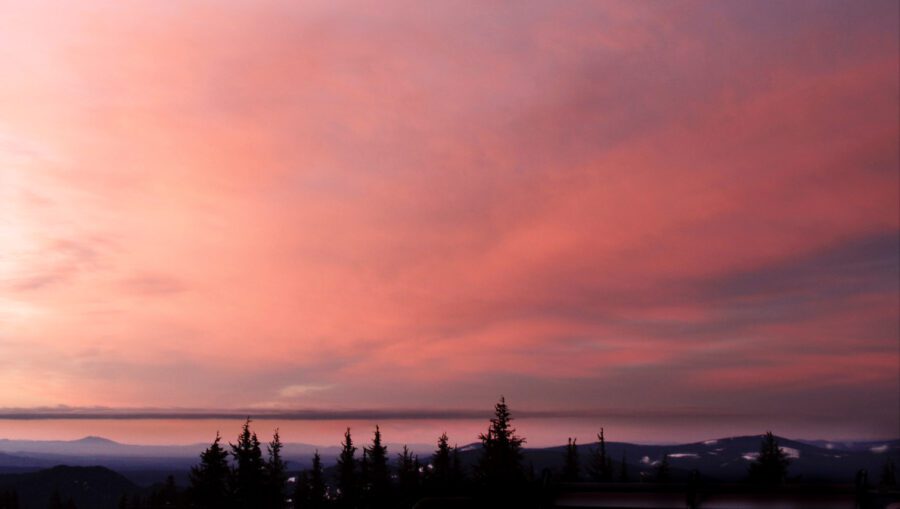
639 207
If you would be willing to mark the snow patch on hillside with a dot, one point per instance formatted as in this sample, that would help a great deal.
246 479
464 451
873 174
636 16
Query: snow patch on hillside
684 455
790 452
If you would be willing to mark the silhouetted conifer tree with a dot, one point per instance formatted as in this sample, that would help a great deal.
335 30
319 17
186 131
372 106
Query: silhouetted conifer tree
347 478
317 482
457 476
209 479
302 496
439 476
770 467
888 474
408 476
248 475
623 470
167 496
571 470
600 469
663 473
861 489
364 486
500 465
692 497
310 488
275 478
378 477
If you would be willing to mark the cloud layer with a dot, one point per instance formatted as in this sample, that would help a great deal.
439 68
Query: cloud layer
580 206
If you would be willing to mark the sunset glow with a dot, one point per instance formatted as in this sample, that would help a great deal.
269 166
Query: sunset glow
592 208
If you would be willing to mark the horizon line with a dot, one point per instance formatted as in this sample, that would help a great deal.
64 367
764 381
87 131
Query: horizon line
301 414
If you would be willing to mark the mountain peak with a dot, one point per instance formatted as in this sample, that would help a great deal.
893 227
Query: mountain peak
91 439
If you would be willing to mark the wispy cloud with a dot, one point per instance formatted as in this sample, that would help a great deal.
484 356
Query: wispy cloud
578 206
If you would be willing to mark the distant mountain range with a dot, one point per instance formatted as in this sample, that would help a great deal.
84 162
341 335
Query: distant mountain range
724 459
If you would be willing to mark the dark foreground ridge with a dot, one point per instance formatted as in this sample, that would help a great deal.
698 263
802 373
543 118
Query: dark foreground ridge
64 486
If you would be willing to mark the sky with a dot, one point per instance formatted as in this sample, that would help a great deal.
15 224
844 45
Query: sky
660 210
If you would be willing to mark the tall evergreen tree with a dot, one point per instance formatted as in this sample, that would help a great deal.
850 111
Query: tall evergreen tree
623 470
317 482
364 487
248 475
663 473
347 476
408 476
302 497
378 476
770 467
571 469
440 466
601 469
888 474
310 488
500 465
169 492
209 479
457 476
275 470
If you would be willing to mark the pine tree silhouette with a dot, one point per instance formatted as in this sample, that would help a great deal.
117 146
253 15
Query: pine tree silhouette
310 492
378 476
408 476
275 476
457 475
302 497
248 475
623 470
347 478
439 477
888 475
317 482
209 479
770 467
571 469
663 473
600 468
364 486
169 492
500 465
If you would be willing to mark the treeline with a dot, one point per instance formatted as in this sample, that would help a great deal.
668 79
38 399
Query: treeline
363 478
369 478
769 468
249 474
